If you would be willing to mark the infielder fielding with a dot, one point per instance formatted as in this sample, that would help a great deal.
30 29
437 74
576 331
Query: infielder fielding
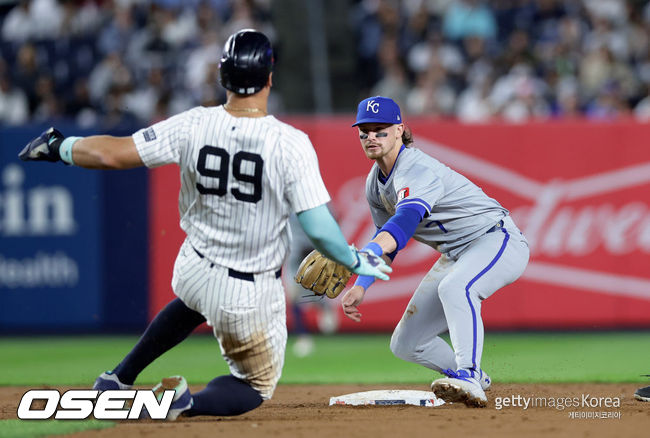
411 194
242 173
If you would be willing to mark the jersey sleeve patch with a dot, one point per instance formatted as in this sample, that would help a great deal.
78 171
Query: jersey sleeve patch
404 193
149 135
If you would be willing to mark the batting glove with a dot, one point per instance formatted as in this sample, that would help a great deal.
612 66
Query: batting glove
370 264
45 147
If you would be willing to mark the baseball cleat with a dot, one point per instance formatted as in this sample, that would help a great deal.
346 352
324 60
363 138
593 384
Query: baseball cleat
643 394
460 388
108 381
481 376
182 400
483 379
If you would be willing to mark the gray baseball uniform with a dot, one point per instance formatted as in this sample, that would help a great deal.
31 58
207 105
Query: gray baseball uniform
482 251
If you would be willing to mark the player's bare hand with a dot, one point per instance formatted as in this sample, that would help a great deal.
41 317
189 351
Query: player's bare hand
351 301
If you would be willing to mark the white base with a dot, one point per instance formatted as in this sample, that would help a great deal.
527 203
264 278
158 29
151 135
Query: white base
386 397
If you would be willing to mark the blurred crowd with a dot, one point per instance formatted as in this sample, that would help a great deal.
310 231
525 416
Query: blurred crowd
116 61
111 62
512 60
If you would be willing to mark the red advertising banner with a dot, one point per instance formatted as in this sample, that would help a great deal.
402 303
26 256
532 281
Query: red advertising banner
578 190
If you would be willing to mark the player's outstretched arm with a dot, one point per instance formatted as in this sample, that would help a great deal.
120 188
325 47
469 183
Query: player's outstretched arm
325 234
95 152
391 238
380 246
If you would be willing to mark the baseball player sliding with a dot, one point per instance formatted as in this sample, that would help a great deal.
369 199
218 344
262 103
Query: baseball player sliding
242 173
412 195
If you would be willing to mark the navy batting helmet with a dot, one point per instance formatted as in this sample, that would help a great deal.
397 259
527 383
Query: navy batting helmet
246 62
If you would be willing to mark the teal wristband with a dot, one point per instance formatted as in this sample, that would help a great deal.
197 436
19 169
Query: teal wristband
65 151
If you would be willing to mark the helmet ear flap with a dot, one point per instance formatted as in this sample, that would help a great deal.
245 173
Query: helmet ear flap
246 62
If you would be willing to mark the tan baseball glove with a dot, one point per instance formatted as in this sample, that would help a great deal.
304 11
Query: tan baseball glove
322 275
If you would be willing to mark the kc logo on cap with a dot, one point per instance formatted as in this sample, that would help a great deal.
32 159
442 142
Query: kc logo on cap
372 106
378 109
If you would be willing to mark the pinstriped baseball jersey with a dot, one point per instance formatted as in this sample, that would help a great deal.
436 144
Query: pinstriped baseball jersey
241 177
457 211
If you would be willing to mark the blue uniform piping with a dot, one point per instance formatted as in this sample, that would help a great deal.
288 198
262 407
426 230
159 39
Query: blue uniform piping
472 281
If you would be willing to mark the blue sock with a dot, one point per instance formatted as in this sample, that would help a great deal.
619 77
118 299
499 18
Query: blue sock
224 396
173 324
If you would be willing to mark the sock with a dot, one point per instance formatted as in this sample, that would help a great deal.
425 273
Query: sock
224 396
173 324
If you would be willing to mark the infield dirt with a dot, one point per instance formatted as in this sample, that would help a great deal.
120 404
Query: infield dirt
304 411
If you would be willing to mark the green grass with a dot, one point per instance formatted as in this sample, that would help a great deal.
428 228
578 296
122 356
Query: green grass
538 357
79 360
37 428
577 357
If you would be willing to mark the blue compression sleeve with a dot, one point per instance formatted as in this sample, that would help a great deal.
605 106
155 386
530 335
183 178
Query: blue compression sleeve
390 255
325 234
403 223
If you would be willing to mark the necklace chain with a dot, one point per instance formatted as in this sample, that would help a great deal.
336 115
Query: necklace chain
245 110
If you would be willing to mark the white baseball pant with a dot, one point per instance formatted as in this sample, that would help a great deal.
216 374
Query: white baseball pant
246 312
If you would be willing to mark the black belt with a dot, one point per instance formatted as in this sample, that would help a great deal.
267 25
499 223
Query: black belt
495 227
238 274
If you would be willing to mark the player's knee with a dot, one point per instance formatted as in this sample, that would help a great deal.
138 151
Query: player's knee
225 396
399 348
449 291
394 345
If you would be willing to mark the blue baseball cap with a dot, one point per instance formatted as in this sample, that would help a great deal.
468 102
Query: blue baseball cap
378 109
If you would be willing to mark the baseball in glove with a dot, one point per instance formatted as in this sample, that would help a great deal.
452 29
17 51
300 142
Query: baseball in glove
322 275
